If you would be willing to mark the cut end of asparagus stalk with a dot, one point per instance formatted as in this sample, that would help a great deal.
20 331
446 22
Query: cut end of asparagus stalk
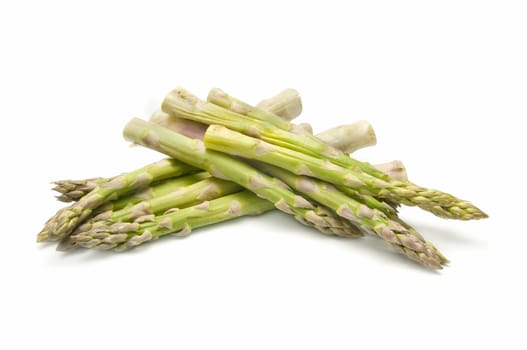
302 129
287 104
351 137
189 128
395 169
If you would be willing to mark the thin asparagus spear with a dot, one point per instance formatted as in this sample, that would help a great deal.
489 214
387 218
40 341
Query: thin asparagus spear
223 166
67 219
370 220
123 236
200 191
157 189
221 139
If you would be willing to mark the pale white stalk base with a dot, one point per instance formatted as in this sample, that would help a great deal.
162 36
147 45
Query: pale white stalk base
350 137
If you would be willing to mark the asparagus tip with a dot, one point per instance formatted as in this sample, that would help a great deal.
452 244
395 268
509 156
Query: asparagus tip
42 236
66 244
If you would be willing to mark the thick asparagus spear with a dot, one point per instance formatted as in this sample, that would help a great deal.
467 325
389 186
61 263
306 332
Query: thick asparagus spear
221 139
67 219
220 98
122 236
223 166
183 104
372 221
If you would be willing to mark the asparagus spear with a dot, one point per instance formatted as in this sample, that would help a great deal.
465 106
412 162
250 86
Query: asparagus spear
287 106
372 221
346 138
220 98
223 166
157 189
67 219
183 104
122 236
178 197
221 139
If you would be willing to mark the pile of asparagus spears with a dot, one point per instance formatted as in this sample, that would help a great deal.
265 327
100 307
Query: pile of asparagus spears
228 159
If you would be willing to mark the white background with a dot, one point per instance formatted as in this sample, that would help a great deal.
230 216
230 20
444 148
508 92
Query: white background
442 82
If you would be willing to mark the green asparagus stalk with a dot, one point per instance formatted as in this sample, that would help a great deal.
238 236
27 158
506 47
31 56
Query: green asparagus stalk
67 219
157 189
179 197
220 98
287 105
223 166
221 139
372 221
73 190
123 236
181 103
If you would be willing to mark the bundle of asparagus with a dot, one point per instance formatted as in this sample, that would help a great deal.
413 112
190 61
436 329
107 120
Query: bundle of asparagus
231 159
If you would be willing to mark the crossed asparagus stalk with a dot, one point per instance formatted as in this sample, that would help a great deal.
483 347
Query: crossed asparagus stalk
284 166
